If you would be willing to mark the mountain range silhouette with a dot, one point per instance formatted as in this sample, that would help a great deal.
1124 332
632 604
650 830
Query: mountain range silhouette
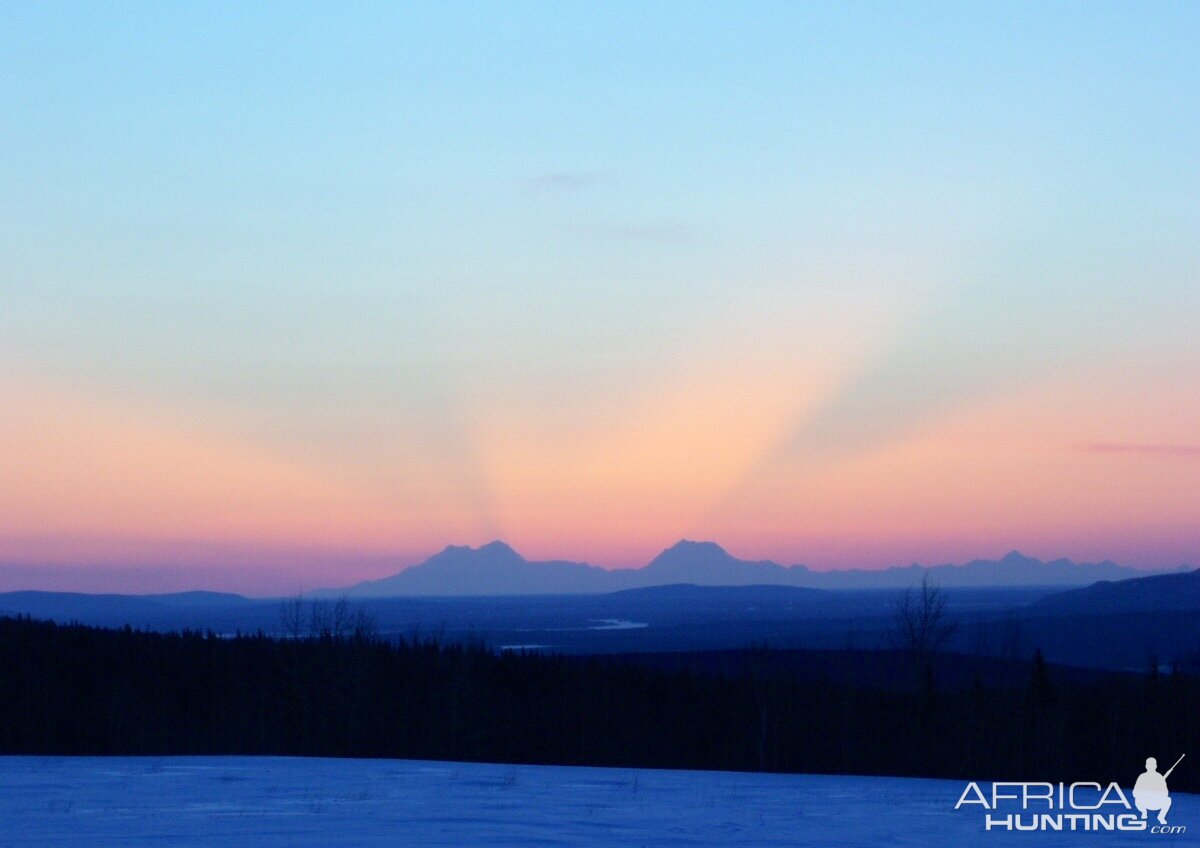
497 569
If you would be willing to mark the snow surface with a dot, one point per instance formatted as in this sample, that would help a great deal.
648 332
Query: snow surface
234 802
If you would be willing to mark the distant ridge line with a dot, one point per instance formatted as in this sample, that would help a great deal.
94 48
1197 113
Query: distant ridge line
497 569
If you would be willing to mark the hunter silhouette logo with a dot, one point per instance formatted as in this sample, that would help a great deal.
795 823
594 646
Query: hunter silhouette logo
1085 806
1150 791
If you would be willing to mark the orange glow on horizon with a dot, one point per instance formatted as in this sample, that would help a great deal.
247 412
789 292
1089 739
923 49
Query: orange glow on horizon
616 481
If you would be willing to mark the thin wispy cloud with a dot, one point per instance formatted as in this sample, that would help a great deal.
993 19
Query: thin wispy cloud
563 180
1144 449
665 232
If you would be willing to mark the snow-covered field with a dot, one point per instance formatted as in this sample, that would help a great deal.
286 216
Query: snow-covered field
234 802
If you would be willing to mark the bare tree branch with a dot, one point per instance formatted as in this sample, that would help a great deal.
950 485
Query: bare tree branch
920 624
291 616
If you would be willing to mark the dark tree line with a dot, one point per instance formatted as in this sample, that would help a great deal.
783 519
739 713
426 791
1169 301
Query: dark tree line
83 690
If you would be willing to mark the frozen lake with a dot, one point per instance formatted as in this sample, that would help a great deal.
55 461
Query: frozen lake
234 802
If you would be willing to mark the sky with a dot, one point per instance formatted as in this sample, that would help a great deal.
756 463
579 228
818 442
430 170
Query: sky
292 295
